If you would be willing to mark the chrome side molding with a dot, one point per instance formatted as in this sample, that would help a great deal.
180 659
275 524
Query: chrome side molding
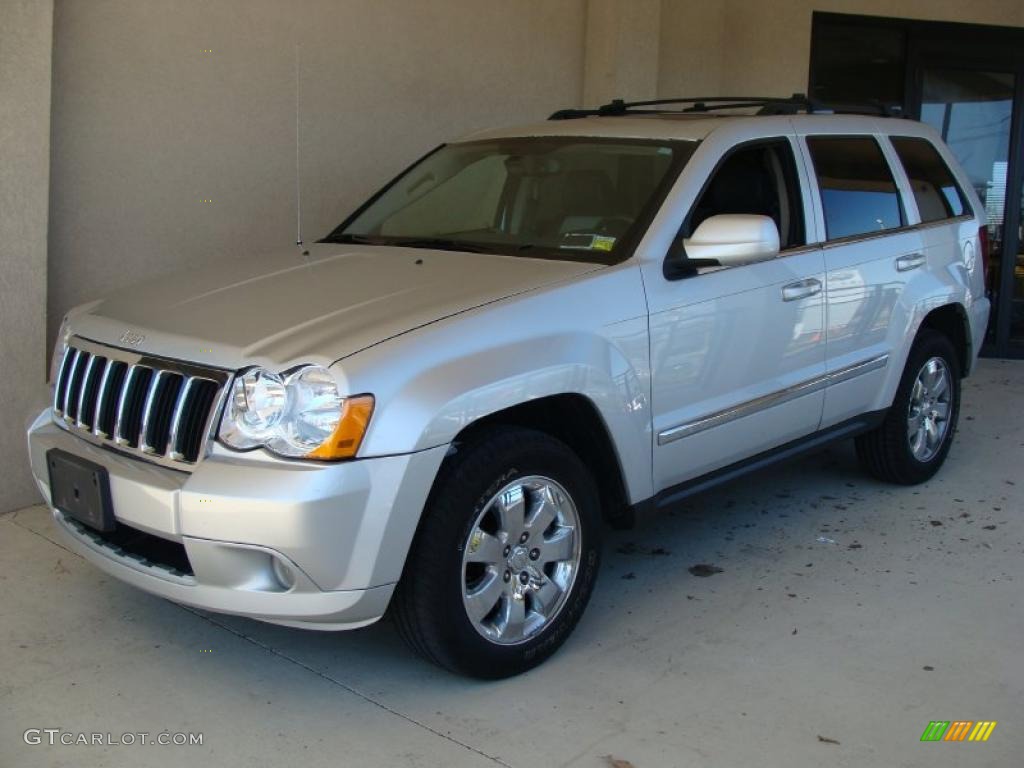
778 397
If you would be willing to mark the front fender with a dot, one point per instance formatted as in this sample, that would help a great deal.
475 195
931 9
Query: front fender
571 339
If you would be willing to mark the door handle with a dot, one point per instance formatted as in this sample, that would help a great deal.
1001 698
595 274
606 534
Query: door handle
912 261
801 289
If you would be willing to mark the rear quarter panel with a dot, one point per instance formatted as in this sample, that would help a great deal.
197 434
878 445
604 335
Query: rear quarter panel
953 274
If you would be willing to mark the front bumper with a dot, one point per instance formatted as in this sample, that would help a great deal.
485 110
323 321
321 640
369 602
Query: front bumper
341 530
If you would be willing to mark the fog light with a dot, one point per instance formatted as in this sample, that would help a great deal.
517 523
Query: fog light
283 573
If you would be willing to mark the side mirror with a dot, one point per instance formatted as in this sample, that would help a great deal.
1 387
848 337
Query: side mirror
732 239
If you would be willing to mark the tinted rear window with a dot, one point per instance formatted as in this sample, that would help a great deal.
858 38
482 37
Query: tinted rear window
937 194
858 194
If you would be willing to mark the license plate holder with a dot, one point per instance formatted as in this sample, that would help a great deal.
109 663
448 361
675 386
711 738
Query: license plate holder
80 489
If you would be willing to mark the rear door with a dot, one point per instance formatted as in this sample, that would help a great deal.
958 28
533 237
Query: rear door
870 251
737 353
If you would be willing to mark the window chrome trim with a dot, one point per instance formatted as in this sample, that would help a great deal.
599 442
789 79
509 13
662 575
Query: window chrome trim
963 218
850 239
778 397
797 249
825 245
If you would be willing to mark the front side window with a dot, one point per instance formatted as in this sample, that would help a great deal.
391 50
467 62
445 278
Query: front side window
757 179
858 193
937 194
568 198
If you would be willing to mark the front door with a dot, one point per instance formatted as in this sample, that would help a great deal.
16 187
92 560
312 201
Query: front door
738 353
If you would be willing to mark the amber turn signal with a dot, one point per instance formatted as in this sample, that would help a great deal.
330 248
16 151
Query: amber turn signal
348 435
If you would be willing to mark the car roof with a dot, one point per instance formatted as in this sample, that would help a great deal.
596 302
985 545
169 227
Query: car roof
696 127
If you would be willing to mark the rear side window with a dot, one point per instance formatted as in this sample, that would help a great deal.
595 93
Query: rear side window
858 193
937 194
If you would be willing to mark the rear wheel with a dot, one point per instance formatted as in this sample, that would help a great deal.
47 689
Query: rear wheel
506 555
913 441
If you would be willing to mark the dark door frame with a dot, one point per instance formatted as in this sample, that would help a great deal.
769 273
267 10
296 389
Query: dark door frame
951 45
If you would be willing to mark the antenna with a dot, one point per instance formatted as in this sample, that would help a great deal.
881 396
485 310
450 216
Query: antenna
298 188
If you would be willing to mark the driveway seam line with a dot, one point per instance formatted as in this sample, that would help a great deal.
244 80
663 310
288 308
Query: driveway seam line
354 691
45 538
301 664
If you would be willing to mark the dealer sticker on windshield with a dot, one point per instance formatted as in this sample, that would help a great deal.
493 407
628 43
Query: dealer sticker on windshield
588 242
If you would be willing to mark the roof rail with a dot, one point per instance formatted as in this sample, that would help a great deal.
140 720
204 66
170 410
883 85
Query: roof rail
765 105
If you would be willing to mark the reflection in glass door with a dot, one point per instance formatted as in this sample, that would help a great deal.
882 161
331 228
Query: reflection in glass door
1017 301
972 109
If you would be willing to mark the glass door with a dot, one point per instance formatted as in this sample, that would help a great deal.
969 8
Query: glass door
973 111
1016 311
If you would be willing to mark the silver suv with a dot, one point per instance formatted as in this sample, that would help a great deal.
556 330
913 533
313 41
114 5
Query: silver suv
529 333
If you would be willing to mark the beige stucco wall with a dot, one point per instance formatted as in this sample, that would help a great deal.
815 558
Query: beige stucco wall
25 47
147 124
621 57
690 45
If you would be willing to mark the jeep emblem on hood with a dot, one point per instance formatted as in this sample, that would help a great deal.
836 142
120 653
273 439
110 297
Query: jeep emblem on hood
132 339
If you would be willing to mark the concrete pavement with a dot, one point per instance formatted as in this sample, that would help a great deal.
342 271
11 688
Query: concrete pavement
847 615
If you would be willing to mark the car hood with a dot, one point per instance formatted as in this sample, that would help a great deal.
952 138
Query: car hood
284 308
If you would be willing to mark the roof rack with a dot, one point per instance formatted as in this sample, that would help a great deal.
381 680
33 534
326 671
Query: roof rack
765 105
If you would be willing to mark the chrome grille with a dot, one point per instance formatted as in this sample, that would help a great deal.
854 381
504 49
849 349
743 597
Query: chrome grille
162 410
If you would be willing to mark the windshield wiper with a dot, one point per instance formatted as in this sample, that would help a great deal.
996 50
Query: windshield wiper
439 243
360 239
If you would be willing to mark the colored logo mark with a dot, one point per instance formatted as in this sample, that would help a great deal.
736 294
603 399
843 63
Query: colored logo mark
958 730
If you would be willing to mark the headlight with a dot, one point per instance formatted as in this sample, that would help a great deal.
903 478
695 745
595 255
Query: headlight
259 401
299 414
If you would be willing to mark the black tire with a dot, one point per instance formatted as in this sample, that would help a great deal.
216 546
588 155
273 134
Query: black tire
886 451
428 604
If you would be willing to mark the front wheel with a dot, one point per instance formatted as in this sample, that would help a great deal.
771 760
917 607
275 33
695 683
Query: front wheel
506 555
913 441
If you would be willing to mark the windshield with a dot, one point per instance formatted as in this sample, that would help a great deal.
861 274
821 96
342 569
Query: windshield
569 198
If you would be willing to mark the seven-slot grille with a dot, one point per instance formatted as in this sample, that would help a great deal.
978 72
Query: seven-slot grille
160 409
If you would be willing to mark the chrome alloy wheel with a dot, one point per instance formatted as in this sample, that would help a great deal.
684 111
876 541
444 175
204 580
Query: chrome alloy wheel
929 411
520 560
